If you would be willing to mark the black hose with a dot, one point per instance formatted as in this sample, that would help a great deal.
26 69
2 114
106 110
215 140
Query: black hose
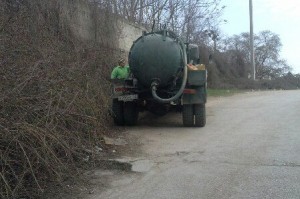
184 80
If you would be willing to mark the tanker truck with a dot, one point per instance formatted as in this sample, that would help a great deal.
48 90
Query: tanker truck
166 75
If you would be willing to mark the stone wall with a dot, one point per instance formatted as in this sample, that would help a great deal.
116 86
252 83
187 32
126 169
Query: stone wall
128 33
89 24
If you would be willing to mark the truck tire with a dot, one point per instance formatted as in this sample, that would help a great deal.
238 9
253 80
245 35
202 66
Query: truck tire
131 113
200 115
188 115
117 111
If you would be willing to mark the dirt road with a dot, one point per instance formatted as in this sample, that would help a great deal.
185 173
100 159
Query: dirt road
250 148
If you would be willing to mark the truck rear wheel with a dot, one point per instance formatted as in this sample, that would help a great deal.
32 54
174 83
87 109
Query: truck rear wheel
118 113
188 115
200 115
131 113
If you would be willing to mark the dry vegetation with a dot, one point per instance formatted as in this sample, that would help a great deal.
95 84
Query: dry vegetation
54 98
54 89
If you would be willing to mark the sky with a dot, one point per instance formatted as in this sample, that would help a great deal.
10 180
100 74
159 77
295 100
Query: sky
279 16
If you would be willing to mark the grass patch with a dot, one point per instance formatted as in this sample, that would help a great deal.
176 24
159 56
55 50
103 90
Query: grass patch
222 92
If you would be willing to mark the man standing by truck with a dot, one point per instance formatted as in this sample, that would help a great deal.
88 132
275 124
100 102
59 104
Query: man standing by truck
121 71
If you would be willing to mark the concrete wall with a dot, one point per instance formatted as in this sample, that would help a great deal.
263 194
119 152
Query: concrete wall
86 23
128 33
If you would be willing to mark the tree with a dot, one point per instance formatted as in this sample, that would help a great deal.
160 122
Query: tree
268 62
188 18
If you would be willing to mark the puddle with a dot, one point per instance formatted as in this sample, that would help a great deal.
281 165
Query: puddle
114 165
140 166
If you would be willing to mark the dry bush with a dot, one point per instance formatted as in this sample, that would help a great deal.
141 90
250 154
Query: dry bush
47 120
54 99
228 71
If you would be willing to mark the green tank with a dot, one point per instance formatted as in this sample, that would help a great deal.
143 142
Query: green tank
161 81
156 57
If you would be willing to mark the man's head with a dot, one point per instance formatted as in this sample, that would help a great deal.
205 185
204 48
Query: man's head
121 62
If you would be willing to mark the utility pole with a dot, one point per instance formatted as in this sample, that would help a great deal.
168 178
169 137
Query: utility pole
252 38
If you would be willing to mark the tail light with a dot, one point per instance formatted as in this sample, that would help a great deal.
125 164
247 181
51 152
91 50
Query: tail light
189 91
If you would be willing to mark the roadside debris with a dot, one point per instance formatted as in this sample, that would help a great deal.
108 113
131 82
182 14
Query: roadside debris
116 142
